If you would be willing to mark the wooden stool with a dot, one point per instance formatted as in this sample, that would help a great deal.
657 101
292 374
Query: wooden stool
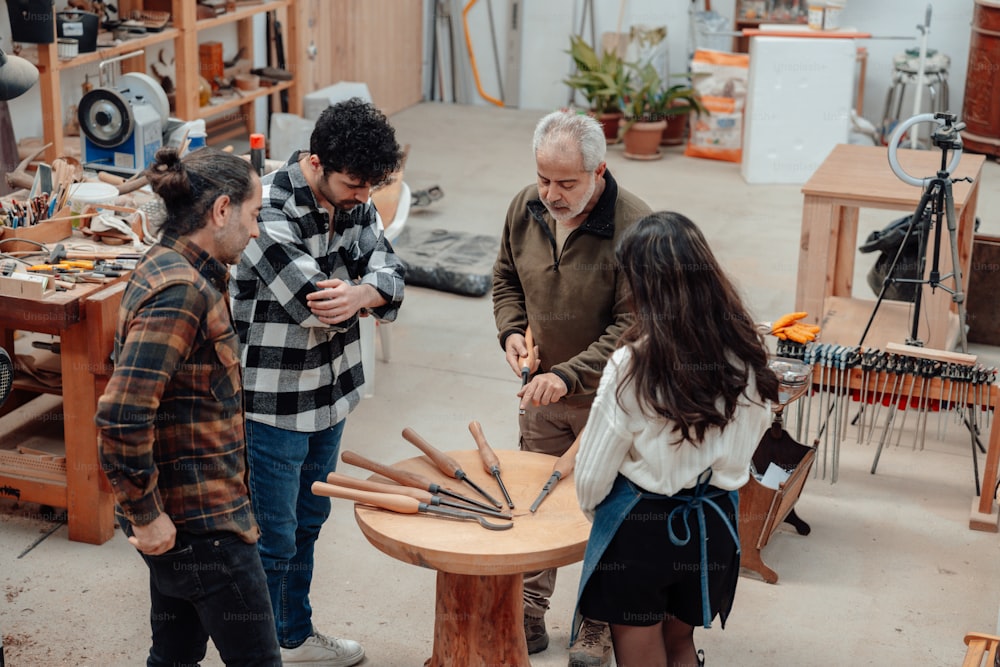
980 646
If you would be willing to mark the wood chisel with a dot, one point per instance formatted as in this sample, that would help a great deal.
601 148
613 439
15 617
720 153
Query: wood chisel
401 504
446 464
563 467
407 478
490 461
420 494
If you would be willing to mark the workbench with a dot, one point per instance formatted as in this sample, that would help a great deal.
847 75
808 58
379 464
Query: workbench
855 177
479 607
84 318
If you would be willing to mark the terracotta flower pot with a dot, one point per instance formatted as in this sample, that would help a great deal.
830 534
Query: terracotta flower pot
675 132
642 140
610 121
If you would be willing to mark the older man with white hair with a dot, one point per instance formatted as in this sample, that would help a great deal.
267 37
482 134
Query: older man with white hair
556 272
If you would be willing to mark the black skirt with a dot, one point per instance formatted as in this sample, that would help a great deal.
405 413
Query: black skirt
643 577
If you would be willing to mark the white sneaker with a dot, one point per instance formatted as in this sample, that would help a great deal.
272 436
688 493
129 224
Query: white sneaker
322 651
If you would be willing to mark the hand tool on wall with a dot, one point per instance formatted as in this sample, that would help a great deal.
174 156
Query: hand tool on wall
407 478
423 496
563 467
401 504
446 464
490 461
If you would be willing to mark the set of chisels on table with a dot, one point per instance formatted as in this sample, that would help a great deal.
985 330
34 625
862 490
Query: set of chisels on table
413 493
886 385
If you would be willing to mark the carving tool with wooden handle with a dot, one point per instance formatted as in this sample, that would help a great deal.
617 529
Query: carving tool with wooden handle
562 468
420 494
401 504
407 478
445 463
490 461
527 361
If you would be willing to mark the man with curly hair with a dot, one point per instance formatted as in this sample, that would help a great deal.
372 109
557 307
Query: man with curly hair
320 262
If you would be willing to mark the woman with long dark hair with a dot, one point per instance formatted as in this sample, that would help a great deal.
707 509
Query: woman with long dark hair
681 406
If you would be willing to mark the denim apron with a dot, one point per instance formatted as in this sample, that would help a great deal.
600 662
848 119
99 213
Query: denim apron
624 495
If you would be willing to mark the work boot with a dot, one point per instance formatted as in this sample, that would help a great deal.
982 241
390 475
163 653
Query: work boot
592 647
322 651
534 632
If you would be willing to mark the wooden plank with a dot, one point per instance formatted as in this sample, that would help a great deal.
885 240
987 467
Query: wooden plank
30 489
930 353
102 320
51 92
861 174
844 320
815 273
378 42
846 236
185 16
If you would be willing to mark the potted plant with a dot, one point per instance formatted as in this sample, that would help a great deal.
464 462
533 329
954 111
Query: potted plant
601 80
642 125
675 103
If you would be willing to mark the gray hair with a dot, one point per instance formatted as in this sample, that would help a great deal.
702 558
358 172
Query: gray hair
583 131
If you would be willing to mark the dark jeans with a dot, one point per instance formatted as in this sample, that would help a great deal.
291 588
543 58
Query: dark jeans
283 466
210 585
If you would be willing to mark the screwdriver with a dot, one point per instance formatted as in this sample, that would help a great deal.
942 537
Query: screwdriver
446 464
490 461
562 468
407 478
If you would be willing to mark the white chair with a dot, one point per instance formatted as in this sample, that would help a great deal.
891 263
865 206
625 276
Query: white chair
368 324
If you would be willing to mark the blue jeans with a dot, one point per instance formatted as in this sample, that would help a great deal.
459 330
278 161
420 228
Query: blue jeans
283 466
209 585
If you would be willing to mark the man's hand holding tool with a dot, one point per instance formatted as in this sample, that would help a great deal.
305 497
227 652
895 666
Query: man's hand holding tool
490 461
563 467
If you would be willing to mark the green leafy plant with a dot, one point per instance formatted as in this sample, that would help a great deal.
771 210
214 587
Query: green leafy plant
602 80
679 98
639 99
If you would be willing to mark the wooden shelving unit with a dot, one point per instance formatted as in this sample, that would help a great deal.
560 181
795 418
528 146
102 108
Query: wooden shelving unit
184 35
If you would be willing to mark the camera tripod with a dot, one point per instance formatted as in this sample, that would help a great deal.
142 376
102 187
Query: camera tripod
936 202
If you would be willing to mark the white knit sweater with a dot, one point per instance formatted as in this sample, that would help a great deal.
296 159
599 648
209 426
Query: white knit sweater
623 440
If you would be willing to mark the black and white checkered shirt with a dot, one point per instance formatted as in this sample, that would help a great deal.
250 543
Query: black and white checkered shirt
300 374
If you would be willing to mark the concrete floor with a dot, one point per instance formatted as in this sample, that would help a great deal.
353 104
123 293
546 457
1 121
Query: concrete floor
890 575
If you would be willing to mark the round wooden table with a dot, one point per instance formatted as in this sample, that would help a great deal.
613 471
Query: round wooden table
478 617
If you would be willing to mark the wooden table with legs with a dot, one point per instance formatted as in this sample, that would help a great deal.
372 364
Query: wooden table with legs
478 617
855 177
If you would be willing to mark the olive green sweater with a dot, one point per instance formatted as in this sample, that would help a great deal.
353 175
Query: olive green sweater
575 300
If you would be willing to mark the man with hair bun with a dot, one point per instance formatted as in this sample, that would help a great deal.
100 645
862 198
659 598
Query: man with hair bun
320 262
556 272
171 436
